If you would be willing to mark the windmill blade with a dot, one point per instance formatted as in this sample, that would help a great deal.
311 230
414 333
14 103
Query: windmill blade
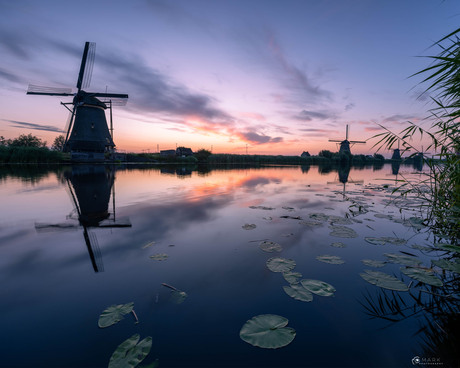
336 140
48 91
86 67
357 141
108 95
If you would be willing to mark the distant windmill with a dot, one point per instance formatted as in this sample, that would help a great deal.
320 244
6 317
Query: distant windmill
88 137
345 145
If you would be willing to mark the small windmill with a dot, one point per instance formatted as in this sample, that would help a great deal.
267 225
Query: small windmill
87 136
345 145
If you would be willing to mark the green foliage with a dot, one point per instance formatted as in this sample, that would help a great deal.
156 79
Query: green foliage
28 140
202 155
325 153
440 187
58 144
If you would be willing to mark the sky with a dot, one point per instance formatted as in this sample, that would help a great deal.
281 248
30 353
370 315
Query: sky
231 76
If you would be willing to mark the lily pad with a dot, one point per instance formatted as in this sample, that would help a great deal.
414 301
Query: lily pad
375 241
159 257
249 226
278 264
319 216
261 208
448 247
338 245
292 277
148 244
318 287
311 223
298 292
270 247
267 331
373 263
422 275
383 280
403 259
447 265
340 220
394 241
178 296
130 353
330 259
114 314
342 232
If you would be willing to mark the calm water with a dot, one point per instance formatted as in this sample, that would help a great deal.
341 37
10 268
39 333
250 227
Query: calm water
74 241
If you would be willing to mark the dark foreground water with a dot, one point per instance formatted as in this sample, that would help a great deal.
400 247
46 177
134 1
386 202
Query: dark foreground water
74 241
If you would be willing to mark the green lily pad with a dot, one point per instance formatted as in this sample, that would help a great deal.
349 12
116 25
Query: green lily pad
249 226
178 296
278 264
375 241
342 232
311 223
448 247
403 259
421 247
318 287
270 247
292 277
267 331
330 259
114 314
261 208
130 353
338 245
319 216
394 241
298 292
423 275
159 257
340 220
447 265
373 263
383 280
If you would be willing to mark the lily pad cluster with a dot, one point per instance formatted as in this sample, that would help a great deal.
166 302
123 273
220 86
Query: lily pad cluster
330 259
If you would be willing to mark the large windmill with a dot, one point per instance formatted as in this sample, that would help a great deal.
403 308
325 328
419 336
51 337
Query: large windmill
345 145
88 137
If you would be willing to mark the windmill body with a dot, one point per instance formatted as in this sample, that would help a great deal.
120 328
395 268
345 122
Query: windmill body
345 145
88 137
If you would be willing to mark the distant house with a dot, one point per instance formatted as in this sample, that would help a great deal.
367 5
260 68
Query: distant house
305 154
168 153
183 152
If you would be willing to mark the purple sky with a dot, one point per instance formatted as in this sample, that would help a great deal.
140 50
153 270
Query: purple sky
268 76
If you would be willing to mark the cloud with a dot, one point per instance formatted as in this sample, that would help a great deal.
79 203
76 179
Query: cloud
256 138
349 106
306 115
10 76
22 124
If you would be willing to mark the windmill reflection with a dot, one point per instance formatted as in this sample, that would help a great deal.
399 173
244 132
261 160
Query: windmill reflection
343 176
90 188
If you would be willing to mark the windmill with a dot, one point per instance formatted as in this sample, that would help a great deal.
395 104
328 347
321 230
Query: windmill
87 135
90 188
345 144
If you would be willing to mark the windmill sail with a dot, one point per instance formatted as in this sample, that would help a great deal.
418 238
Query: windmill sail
88 137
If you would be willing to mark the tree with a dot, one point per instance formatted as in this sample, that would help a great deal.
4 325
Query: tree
58 144
202 155
28 140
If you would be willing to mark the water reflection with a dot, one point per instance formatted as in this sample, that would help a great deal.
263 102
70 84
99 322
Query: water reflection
90 188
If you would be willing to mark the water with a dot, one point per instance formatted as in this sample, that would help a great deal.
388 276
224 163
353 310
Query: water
73 242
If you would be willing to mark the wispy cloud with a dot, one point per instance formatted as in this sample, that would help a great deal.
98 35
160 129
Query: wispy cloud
256 138
33 126
306 115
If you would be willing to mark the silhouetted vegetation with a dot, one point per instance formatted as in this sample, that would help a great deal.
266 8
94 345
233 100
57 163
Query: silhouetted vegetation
27 149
